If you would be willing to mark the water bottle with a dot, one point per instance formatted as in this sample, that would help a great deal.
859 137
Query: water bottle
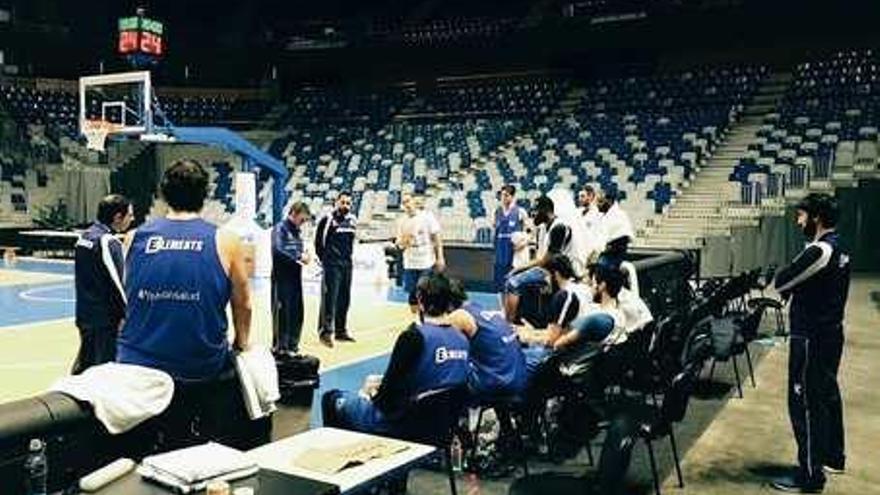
37 468
456 454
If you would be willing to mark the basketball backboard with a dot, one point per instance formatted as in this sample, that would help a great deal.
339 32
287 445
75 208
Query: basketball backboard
115 104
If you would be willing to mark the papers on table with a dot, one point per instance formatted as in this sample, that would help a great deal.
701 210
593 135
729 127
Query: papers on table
330 460
190 469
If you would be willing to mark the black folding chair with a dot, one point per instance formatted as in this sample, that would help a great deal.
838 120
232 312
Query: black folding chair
432 418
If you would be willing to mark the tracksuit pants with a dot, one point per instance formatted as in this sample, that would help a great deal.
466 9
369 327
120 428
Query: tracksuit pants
335 299
97 346
288 309
814 403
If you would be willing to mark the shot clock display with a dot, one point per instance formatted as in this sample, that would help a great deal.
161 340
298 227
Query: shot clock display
140 36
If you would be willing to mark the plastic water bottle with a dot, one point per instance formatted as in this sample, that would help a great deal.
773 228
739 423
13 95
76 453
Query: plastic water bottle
456 454
37 469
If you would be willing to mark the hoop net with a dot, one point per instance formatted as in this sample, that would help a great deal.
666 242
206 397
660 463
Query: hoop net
97 131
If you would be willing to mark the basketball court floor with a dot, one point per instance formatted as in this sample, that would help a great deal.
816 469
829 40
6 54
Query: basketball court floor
729 445
38 338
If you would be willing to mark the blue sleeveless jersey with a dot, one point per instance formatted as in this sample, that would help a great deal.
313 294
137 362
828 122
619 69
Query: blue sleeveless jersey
177 294
497 363
443 362
505 225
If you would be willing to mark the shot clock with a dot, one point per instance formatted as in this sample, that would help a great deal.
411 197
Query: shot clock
141 39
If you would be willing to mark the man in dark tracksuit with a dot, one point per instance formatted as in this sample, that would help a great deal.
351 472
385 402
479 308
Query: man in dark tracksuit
334 245
100 298
288 256
817 282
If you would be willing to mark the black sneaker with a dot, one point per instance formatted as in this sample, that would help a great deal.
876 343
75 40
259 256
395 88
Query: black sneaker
794 484
326 339
344 337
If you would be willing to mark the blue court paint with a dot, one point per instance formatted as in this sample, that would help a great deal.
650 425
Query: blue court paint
49 302
349 377
60 293
31 265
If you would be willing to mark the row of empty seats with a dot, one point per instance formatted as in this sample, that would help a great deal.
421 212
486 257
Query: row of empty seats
644 150
60 108
827 119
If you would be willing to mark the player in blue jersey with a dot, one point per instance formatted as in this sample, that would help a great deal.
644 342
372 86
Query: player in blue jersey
497 366
509 219
428 356
181 273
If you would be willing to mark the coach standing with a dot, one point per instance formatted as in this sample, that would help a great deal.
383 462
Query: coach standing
100 298
334 245
288 256
817 282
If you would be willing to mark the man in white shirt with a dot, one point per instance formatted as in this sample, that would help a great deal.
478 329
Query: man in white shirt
418 236
617 230
588 200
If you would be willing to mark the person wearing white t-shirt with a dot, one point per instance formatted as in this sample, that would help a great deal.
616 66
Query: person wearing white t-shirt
418 236
588 200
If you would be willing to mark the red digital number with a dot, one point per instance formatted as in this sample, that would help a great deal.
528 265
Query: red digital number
151 44
128 41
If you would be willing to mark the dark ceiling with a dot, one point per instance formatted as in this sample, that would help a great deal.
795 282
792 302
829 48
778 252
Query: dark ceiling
236 42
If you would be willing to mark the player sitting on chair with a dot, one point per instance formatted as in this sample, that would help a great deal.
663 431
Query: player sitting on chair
497 364
428 356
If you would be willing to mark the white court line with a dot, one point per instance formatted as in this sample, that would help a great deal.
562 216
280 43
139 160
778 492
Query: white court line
46 260
29 295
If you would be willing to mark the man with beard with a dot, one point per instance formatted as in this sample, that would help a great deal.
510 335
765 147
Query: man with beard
334 245
559 237
817 282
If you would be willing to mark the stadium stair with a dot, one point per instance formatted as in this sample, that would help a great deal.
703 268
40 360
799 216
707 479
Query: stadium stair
707 206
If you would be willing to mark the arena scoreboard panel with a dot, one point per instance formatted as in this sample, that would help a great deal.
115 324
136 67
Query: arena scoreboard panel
141 38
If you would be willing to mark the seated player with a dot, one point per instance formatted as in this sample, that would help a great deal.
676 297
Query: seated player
497 365
576 311
428 356
600 318
533 277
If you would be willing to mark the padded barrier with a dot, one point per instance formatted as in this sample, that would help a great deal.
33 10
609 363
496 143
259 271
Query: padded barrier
77 443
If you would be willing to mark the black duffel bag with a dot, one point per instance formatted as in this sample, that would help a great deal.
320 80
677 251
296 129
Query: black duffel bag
297 378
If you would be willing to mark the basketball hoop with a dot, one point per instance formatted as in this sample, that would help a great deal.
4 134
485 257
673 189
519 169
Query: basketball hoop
96 133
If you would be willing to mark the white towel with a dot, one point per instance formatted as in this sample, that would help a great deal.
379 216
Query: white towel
122 395
258 376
